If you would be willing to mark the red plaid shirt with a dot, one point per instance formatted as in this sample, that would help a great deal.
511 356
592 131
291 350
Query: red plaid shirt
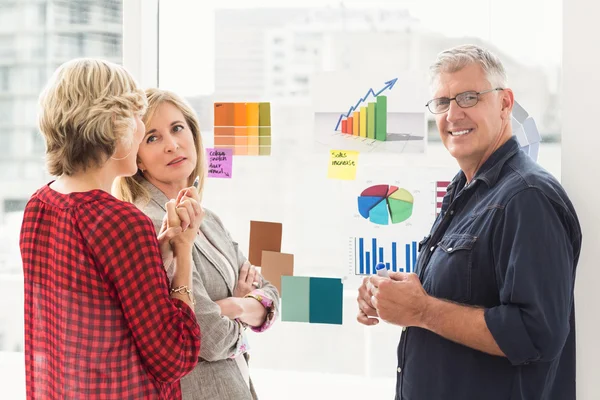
99 321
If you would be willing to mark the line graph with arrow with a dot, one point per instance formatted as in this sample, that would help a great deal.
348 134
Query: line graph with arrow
388 86
387 118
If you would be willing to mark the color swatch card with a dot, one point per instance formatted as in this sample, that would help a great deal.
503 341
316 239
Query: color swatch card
263 236
342 164
244 127
219 163
275 265
312 300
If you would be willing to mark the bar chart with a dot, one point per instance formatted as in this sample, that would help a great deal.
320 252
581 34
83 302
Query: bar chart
243 127
369 121
398 257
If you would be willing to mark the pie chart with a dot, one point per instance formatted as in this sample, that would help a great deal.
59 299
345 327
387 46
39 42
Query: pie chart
385 204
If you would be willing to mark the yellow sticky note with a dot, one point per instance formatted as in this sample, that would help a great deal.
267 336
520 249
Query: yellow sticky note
342 165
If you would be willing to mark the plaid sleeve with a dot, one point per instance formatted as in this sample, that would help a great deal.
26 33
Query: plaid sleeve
124 243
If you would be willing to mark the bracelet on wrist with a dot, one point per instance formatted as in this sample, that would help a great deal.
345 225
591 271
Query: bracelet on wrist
184 289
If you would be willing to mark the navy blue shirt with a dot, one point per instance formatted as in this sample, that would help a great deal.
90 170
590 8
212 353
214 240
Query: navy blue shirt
507 242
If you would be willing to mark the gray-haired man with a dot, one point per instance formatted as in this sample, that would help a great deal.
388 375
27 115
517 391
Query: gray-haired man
490 312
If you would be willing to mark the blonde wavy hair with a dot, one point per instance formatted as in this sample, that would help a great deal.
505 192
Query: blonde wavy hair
87 107
130 188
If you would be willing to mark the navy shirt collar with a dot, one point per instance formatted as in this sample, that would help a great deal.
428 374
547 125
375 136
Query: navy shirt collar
490 170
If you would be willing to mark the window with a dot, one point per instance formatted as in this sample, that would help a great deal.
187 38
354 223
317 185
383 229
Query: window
112 45
14 205
112 12
78 28
81 44
39 146
6 112
4 79
79 12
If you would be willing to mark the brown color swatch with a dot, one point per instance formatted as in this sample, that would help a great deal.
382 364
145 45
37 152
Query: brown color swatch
275 265
263 236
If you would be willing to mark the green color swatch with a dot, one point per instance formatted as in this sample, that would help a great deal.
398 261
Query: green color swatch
295 298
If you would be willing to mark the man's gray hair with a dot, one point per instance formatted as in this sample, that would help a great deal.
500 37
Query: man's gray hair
457 58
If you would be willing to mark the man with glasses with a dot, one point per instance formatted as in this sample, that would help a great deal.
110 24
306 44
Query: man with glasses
489 313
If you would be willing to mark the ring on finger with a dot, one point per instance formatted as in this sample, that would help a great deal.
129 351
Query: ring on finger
255 284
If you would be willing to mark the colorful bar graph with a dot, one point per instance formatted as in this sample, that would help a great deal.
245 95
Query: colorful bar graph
363 122
243 127
364 259
381 118
369 121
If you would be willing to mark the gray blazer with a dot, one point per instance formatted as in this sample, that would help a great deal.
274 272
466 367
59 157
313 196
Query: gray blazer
216 376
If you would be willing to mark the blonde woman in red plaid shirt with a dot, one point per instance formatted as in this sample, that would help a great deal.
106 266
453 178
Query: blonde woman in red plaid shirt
101 321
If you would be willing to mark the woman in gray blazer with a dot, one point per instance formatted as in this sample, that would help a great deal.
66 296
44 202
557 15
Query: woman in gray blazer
230 294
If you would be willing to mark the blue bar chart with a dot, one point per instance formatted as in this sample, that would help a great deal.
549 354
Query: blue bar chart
398 257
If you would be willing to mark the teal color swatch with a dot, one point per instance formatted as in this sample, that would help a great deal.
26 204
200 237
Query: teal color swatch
326 296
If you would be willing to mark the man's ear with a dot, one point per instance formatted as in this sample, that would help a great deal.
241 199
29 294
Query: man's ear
507 101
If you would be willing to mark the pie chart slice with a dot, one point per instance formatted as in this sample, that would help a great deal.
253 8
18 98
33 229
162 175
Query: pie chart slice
402 194
379 214
400 210
376 191
366 203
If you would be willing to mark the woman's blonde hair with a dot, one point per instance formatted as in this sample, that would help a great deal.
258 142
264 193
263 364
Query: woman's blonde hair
130 188
85 109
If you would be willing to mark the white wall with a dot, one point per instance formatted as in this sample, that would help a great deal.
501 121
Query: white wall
580 168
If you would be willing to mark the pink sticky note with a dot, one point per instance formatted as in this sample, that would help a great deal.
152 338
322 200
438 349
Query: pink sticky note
219 163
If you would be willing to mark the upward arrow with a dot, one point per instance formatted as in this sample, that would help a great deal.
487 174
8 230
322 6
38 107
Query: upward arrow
388 85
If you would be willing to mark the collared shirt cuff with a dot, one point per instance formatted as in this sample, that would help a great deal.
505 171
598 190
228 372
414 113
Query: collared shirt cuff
509 332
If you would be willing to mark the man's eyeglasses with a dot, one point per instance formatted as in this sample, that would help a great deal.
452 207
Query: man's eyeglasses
464 100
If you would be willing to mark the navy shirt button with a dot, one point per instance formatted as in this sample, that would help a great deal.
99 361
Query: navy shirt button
399 370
